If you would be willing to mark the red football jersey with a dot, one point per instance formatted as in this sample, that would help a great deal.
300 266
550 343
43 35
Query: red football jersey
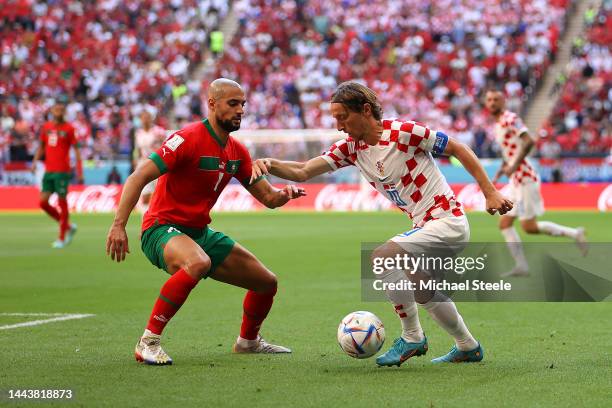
57 137
196 166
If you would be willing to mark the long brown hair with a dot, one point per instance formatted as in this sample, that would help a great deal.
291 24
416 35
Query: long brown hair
353 95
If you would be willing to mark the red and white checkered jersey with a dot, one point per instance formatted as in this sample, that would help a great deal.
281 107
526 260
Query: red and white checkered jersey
508 131
402 168
148 141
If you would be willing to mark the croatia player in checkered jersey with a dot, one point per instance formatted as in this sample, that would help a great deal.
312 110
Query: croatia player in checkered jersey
516 143
396 158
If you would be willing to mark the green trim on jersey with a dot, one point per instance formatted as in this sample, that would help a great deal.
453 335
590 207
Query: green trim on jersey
245 182
212 132
209 163
232 166
159 162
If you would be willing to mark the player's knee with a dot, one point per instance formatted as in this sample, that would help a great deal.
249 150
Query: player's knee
198 266
269 284
531 229
379 254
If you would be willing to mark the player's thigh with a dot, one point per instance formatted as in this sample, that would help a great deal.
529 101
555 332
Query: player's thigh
48 186
241 268
182 252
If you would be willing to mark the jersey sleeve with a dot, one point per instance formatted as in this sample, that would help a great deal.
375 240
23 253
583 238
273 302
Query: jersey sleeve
417 135
171 153
341 154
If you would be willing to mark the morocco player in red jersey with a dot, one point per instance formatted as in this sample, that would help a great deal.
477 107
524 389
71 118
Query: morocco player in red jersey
516 143
193 166
396 158
56 139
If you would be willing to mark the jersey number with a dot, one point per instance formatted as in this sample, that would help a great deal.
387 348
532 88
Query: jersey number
395 197
53 139
218 181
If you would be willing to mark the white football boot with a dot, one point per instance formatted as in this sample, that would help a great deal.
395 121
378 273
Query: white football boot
149 351
259 345
519 271
581 241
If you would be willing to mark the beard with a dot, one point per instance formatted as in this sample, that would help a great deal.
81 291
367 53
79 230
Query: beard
228 125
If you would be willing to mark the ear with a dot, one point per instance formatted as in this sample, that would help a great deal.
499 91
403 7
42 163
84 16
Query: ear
367 109
211 104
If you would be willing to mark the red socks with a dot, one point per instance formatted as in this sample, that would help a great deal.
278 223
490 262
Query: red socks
63 205
171 297
49 209
256 307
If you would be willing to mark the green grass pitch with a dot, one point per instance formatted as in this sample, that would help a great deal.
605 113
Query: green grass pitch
537 354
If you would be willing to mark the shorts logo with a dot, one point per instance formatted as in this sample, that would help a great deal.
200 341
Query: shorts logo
174 142
172 229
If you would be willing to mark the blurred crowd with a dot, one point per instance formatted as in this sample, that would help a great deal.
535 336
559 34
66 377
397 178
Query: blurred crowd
582 118
429 60
107 59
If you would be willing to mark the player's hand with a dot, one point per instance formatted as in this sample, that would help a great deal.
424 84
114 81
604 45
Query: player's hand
33 168
117 243
260 167
497 203
291 192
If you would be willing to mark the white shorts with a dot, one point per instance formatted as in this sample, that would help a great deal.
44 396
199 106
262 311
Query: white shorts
450 232
527 201
150 187
437 238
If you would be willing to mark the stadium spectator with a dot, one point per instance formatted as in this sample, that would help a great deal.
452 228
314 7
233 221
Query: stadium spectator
429 60
108 58
580 123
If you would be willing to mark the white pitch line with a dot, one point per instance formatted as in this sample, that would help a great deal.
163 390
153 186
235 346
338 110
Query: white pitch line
60 318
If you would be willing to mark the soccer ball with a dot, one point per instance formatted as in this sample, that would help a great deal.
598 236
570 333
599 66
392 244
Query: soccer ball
361 334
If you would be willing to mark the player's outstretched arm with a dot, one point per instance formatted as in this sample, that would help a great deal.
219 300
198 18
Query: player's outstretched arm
495 201
527 143
272 197
37 156
117 240
289 170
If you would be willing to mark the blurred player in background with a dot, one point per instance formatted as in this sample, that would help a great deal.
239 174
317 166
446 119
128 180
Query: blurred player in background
516 143
147 139
56 138
195 165
396 158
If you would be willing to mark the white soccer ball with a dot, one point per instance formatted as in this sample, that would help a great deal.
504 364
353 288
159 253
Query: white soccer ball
361 334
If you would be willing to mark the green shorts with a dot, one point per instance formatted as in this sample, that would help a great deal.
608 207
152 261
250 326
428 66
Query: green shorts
216 244
56 183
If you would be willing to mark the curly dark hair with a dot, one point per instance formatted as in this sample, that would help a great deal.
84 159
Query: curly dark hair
353 95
